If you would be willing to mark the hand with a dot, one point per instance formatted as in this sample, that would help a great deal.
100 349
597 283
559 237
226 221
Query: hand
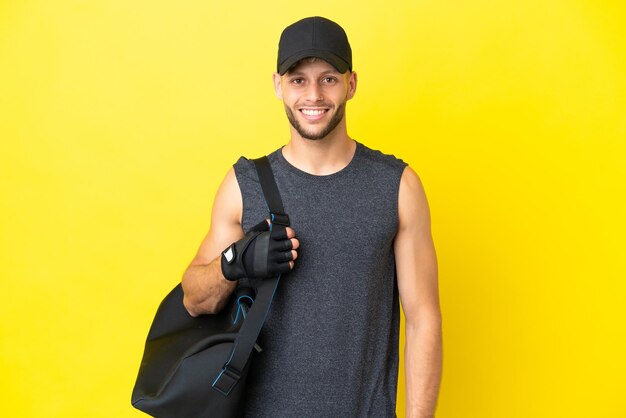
261 253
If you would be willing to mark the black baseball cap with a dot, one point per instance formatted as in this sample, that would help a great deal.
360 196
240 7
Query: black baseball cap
314 37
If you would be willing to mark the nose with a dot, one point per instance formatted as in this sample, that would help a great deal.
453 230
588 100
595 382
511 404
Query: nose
314 93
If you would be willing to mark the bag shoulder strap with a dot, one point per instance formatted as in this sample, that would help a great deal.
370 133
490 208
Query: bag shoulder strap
250 329
270 191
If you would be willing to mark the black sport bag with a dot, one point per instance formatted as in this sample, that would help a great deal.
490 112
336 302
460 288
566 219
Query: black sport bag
197 367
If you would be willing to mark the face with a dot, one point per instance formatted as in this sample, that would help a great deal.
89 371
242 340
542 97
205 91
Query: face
314 95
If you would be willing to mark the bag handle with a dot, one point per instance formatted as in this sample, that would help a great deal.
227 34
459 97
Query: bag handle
251 328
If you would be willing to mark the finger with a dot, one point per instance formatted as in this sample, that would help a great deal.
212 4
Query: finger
286 256
261 226
290 232
284 245
283 256
284 267
295 243
279 232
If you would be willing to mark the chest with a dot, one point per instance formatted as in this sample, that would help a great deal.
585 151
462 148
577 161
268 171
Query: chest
353 217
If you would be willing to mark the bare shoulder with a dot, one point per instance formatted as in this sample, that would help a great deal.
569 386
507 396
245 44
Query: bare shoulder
413 208
225 220
228 201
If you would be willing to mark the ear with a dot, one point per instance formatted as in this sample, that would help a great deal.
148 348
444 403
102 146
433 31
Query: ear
352 81
278 90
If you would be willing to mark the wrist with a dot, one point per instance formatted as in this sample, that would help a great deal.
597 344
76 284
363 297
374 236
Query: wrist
227 264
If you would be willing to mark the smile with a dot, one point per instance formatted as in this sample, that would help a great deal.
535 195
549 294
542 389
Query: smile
313 114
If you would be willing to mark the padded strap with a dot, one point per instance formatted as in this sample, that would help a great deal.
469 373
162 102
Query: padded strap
249 332
270 190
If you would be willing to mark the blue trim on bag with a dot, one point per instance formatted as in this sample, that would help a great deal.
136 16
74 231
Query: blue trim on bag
239 308
222 372
215 381
232 351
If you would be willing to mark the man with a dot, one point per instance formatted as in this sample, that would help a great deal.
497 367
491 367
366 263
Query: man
359 218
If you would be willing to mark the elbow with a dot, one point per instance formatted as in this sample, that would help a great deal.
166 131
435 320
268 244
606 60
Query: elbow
424 321
191 308
195 308
188 302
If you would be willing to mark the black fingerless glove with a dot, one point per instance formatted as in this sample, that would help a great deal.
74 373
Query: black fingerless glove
260 253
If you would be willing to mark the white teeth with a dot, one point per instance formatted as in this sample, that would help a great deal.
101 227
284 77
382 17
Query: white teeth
312 112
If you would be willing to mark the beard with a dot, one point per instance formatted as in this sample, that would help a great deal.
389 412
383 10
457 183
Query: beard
332 123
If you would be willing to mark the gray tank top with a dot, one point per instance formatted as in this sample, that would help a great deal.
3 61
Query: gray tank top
330 342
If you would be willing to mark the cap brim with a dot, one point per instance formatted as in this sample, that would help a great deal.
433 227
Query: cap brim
339 64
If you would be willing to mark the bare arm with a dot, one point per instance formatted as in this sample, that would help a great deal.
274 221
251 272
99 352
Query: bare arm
205 288
416 264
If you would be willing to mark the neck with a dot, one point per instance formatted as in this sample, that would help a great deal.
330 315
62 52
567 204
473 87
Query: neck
320 157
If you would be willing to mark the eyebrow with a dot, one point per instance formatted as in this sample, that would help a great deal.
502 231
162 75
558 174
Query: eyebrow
322 73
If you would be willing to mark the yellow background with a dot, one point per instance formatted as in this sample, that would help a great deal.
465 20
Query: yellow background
119 118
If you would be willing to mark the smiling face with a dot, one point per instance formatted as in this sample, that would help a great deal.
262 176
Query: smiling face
314 94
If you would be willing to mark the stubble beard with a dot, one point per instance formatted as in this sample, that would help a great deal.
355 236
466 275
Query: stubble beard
332 123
